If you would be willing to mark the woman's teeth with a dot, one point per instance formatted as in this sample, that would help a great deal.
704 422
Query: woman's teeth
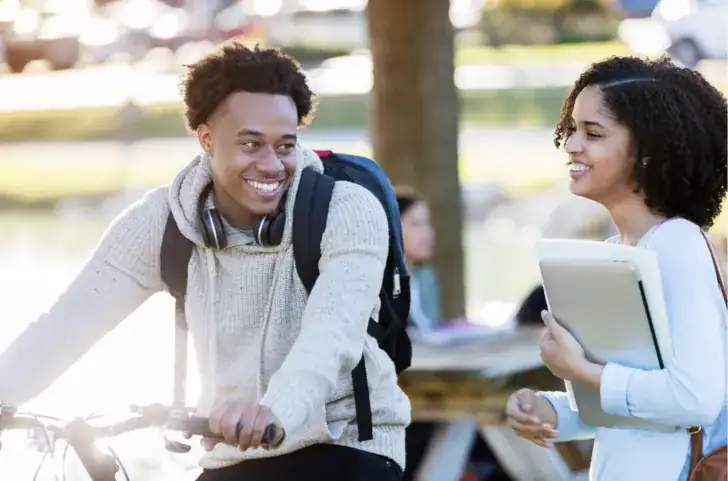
577 167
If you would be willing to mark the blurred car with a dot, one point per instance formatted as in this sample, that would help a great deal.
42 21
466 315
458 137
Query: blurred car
697 29
40 32
133 28
344 28
631 8
689 30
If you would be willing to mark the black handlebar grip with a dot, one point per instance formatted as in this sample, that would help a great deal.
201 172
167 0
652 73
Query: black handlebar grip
269 435
200 426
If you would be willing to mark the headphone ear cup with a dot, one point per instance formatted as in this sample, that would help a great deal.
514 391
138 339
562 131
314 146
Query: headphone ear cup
275 229
260 233
269 231
214 232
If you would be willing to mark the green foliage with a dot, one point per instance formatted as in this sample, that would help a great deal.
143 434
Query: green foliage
534 22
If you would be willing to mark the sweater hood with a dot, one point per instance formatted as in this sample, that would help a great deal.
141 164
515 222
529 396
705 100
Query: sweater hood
186 189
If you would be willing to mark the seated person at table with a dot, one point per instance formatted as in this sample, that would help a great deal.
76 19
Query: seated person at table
419 244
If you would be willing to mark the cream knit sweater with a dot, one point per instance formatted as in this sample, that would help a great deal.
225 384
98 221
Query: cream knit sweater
257 333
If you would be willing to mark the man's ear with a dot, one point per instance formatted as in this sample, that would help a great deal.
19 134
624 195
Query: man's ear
204 137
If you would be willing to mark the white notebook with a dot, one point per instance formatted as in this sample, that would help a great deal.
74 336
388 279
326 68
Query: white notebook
609 296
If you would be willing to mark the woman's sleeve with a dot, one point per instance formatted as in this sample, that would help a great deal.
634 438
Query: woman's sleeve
568 424
691 391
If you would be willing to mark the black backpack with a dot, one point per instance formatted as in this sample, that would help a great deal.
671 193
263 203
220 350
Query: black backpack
313 196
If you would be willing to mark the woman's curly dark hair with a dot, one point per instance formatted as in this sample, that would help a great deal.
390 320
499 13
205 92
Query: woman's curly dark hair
678 123
236 68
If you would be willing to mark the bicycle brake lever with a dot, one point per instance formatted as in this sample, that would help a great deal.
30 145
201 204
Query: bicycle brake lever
176 447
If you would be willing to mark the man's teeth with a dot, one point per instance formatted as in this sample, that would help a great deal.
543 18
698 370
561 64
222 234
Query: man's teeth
576 167
264 186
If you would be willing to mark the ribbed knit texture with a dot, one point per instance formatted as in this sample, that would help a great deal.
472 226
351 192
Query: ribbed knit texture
257 334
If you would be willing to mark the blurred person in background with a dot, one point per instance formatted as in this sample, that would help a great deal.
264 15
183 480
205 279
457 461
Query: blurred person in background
425 313
419 247
647 140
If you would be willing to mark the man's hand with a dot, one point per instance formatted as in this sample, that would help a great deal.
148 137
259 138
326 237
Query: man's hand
531 417
243 424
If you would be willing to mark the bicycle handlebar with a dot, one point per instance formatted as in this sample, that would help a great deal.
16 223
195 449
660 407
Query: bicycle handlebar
81 436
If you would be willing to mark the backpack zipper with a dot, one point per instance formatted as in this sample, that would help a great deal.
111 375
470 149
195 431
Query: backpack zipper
397 290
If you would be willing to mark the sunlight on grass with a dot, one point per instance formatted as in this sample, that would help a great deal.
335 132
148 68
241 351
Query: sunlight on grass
37 181
577 52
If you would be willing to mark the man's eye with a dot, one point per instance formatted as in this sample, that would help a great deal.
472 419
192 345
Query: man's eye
251 144
286 148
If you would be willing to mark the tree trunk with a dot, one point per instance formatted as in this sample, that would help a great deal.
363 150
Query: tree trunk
415 120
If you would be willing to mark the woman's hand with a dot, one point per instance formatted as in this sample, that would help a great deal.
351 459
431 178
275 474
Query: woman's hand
531 417
563 355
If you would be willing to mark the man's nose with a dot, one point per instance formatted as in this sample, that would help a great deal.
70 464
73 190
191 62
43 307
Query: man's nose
270 163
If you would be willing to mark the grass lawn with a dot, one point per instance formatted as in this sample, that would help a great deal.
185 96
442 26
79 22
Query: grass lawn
44 181
570 52
467 55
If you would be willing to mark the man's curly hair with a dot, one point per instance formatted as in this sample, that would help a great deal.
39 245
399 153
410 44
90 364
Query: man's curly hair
678 125
236 68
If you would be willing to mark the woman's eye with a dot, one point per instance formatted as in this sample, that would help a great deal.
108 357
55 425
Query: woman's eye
592 135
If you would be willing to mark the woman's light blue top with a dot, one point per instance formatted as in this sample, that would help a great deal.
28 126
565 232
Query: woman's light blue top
691 392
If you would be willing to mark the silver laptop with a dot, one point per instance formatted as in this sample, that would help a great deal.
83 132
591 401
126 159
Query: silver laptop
603 304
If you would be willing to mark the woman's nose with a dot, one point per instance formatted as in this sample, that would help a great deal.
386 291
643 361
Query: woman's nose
573 144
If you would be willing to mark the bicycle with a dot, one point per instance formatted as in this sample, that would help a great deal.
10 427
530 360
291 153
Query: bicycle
81 436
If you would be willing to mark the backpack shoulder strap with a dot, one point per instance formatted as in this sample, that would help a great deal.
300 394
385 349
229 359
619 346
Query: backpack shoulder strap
310 213
313 196
174 258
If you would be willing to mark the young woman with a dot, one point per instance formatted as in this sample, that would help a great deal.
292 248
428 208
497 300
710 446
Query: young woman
647 140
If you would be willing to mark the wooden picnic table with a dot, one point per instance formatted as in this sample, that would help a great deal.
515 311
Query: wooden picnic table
464 386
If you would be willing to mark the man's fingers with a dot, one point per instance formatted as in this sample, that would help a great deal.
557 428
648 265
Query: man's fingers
257 426
229 424
248 419
216 416
208 444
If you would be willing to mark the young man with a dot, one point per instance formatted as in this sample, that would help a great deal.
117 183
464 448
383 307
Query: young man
268 351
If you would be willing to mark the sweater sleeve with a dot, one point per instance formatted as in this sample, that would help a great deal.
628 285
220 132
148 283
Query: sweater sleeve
122 273
334 324
691 391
